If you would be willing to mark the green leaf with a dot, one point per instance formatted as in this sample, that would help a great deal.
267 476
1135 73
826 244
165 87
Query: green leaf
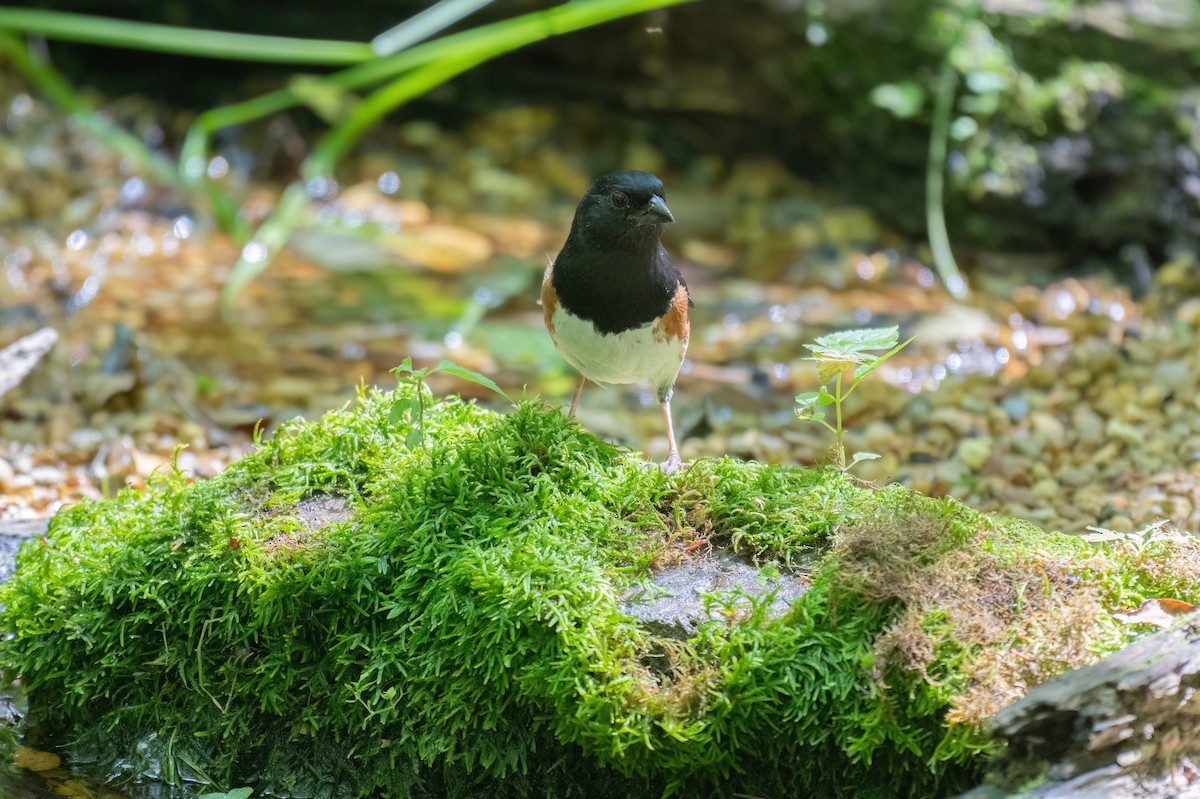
405 367
239 793
863 456
824 397
405 409
871 365
415 437
451 368
849 343
903 100
808 399
396 414
829 368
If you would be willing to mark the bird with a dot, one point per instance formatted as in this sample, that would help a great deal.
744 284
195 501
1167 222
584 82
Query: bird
613 300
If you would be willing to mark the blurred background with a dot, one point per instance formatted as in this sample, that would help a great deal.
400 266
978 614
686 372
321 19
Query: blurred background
222 243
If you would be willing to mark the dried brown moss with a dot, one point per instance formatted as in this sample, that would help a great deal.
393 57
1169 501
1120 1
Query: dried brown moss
1016 619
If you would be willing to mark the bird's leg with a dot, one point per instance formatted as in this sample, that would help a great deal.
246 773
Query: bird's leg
575 396
673 461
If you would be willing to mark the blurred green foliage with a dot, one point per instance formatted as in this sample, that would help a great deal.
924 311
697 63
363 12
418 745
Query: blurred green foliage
401 69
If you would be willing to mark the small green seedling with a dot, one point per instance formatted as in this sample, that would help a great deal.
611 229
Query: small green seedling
235 793
836 354
413 408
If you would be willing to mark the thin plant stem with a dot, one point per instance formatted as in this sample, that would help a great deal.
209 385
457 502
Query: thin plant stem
935 167
935 183
421 411
837 404
131 35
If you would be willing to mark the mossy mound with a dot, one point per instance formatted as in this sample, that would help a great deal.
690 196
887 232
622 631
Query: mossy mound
337 615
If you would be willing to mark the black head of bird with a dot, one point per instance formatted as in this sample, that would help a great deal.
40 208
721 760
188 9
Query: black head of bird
622 208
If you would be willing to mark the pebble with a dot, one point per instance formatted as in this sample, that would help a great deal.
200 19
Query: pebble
1051 430
1046 489
974 452
1120 523
6 472
1078 476
1088 425
47 475
85 438
35 759
1015 468
1016 406
952 472
880 436
1115 428
1175 375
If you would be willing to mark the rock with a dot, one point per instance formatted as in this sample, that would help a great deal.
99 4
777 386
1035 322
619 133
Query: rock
1123 432
1015 468
1087 425
1174 375
974 452
35 759
1050 428
918 410
48 475
952 472
6 472
1121 523
1078 476
442 247
675 604
880 436
956 419
1016 406
85 439
1047 489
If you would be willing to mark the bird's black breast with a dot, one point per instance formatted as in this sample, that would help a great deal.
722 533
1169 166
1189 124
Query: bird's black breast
615 290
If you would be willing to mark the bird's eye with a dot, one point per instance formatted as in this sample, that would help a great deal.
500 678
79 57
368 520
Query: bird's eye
619 200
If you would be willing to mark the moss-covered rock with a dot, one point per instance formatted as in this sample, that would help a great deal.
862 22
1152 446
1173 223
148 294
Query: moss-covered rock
338 615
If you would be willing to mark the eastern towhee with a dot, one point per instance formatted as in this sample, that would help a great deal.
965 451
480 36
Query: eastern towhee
615 304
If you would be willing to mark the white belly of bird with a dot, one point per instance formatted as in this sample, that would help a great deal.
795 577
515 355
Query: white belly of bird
627 357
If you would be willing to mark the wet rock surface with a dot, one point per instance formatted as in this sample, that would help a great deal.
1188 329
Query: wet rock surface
706 586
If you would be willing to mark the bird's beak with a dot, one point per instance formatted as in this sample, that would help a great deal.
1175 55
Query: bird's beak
656 212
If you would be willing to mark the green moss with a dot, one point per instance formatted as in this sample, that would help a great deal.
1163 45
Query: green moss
456 630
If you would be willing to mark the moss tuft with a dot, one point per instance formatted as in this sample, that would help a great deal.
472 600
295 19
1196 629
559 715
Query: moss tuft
338 615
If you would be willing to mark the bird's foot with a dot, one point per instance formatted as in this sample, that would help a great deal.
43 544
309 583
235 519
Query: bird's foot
673 463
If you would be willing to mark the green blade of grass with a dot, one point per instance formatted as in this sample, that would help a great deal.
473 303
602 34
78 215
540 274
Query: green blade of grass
128 34
432 20
469 51
517 31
